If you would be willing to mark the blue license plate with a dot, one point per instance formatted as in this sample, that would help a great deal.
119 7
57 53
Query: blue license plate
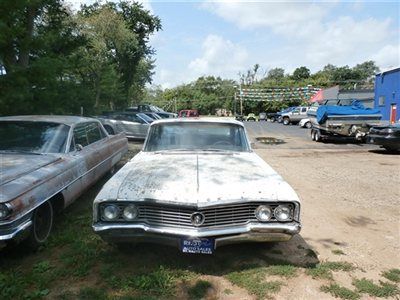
197 245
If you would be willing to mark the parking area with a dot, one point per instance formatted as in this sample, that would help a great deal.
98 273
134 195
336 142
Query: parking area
350 214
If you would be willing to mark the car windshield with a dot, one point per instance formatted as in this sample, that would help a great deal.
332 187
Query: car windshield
34 137
145 117
196 136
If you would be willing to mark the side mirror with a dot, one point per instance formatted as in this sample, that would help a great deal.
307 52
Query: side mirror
78 147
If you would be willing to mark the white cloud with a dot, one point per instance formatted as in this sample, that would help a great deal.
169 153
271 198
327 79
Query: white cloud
220 57
310 34
388 57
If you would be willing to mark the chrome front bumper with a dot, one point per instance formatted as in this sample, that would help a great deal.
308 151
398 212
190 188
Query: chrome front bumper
14 231
268 232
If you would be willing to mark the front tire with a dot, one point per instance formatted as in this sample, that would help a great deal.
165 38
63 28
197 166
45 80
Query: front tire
42 223
308 125
286 121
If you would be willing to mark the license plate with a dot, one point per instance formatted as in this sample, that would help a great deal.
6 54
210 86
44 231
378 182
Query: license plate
197 245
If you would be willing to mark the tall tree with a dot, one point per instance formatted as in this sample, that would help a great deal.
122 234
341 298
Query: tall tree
301 73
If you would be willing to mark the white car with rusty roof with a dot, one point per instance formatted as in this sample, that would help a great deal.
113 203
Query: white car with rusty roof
46 162
196 185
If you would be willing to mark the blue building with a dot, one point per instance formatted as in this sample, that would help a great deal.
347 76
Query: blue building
387 94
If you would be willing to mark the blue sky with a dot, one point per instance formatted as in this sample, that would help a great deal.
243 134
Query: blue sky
227 37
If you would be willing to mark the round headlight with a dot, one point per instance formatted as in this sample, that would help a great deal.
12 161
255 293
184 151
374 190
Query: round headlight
130 212
263 213
282 213
4 211
110 212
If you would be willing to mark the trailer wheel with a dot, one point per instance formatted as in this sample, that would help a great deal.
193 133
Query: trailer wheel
317 136
312 134
308 125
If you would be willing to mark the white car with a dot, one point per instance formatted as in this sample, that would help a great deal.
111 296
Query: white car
196 185
305 123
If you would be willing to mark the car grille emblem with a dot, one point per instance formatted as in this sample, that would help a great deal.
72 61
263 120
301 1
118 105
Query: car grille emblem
197 219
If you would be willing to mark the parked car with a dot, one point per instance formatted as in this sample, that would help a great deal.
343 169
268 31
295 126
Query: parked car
196 185
262 116
133 125
305 123
295 115
151 108
46 163
388 136
188 113
251 117
152 115
239 118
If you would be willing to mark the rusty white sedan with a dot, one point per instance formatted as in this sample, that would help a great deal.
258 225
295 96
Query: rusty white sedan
196 185
46 162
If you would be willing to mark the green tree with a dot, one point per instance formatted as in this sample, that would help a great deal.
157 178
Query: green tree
276 74
301 73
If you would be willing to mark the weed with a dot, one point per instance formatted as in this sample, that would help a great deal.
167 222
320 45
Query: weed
339 266
160 282
338 252
254 281
392 275
369 287
323 270
282 270
228 292
89 293
199 290
340 291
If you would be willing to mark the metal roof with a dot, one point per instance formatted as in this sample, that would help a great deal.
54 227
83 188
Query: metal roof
199 120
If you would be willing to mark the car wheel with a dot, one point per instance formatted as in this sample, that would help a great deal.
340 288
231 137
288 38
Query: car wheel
286 121
273 119
42 223
317 136
308 125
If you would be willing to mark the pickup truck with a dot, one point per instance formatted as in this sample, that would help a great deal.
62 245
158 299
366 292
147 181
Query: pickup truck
294 116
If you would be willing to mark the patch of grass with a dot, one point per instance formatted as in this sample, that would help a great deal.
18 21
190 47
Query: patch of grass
254 281
319 272
160 282
228 292
338 252
324 270
89 293
392 275
340 291
282 270
199 290
367 286
339 266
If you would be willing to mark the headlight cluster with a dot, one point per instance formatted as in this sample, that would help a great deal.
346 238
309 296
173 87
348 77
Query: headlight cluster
282 213
112 212
5 211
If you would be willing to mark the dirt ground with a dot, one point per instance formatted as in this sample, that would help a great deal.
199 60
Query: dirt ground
350 202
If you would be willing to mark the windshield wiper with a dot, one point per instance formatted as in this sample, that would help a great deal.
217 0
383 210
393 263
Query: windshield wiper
20 151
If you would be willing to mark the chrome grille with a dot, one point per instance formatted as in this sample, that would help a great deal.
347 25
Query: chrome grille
179 216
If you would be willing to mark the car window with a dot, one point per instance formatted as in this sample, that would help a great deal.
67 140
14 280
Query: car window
33 136
93 132
80 136
196 136
304 109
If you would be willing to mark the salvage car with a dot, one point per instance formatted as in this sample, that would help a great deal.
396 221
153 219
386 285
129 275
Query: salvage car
46 162
196 185
133 125
387 136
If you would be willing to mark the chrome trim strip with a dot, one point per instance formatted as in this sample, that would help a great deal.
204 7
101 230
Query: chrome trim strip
289 228
20 228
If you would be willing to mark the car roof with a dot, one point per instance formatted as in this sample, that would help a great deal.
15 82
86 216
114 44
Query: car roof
199 120
67 120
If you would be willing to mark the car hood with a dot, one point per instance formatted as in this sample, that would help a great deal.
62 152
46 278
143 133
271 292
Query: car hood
197 179
16 166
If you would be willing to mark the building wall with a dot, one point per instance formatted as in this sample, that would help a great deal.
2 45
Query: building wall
387 92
